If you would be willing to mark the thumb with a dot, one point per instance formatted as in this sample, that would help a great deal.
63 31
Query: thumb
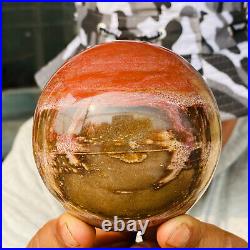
65 231
185 231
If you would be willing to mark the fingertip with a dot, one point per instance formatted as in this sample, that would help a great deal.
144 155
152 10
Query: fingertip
186 231
175 232
74 232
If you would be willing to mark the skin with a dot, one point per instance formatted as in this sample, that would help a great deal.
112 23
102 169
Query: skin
182 231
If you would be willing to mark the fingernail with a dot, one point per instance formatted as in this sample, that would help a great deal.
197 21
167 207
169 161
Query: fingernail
67 236
177 236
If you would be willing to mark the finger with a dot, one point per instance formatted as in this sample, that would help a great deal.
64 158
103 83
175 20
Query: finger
65 231
185 231
111 239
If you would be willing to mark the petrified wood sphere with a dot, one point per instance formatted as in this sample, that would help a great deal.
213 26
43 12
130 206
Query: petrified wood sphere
127 129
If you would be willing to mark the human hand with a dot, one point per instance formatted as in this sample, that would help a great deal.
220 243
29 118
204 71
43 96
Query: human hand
70 232
182 231
186 231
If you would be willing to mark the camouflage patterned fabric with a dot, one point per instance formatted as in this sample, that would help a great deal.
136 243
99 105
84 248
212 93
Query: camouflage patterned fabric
211 36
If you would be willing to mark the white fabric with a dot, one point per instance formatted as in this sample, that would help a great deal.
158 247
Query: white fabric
27 204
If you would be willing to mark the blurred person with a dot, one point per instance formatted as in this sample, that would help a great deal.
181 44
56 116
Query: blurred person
213 38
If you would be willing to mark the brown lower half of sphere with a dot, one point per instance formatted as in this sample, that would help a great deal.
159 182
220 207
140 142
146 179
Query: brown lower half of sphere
134 165
84 193
113 187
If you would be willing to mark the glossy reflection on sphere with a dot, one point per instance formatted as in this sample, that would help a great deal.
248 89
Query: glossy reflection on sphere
127 129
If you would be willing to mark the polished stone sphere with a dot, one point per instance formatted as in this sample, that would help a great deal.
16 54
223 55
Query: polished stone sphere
126 129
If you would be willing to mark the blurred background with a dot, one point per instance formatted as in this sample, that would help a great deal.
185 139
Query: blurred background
29 31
